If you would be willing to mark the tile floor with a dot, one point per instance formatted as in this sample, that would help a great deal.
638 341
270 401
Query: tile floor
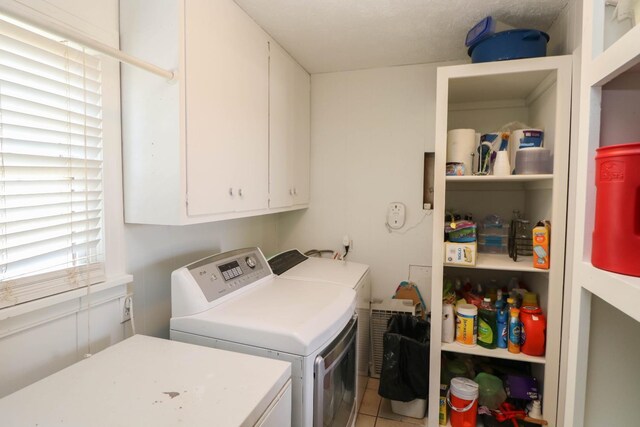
375 411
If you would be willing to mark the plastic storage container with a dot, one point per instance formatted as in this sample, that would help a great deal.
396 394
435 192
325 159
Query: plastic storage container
490 390
616 234
415 408
533 161
467 324
512 44
486 27
493 239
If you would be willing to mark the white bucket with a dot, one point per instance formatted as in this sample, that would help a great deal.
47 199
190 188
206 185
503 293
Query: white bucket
415 408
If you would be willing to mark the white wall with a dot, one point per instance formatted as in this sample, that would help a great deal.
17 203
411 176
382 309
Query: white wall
369 132
153 252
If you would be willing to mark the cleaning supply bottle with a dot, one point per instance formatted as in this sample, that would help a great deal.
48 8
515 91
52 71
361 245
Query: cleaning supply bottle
535 409
533 330
514 331
502 320
458 289
487 325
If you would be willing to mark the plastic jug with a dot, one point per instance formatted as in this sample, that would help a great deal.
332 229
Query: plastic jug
616 234
487 325
532 333
463 401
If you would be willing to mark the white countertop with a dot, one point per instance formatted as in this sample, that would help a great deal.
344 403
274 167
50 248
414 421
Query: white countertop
146 381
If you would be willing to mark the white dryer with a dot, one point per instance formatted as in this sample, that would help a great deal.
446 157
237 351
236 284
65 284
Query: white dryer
292 264
233 301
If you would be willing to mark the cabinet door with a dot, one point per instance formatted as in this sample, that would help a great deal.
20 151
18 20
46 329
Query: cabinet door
289 132
281 126
302 136
226 97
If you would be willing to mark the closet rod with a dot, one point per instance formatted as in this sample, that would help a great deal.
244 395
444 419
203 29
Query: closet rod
76 37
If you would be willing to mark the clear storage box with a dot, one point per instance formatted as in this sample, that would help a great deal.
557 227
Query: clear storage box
493 239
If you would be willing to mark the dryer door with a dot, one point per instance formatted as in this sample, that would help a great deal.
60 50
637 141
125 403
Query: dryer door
334 400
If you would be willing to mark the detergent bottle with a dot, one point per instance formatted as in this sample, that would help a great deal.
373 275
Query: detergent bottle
487 325
532 334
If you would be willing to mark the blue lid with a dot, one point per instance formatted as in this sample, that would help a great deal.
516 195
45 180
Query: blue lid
482 29
522 33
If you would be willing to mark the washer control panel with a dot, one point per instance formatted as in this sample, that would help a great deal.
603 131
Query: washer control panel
221 274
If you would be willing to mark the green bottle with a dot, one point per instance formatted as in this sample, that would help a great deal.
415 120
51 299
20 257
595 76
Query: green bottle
487 325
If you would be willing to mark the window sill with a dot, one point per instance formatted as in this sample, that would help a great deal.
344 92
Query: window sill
31 306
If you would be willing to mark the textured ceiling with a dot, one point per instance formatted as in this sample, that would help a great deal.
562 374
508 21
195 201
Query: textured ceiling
338 35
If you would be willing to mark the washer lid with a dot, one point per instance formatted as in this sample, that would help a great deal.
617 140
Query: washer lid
344 273
292 316
150 381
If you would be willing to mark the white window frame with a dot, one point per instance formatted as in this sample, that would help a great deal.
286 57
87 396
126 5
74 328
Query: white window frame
113 214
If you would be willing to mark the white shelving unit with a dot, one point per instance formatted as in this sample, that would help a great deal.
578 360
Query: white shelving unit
498 353
485 97
609 99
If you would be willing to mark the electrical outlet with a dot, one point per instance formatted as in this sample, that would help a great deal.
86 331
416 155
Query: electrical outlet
125 308
396 215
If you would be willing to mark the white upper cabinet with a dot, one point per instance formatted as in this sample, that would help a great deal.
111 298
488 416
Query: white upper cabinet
227 92
197 150
289 131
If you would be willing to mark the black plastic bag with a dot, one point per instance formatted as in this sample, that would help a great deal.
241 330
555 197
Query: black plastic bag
405 360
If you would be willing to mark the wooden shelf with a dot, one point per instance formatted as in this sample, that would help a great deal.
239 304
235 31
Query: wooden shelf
619 290
494 178
503 263
618 58
497 183
498 353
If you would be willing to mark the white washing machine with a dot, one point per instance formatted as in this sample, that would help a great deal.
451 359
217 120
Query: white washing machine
233 301
292 264
145 381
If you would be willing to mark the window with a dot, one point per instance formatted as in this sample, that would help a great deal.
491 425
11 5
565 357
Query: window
50 165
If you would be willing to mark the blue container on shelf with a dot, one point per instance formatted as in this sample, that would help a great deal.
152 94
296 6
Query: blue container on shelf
511 44
486 27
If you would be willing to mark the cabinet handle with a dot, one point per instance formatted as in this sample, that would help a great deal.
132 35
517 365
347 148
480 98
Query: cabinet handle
231 191
295 191
291 191
240 192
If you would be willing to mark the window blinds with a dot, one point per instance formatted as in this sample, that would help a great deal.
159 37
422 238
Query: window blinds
50 165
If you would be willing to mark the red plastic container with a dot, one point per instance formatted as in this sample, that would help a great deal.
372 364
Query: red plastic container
616 234
463 401
534 326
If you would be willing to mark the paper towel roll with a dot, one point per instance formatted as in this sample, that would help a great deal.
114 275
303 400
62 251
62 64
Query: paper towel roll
461 148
